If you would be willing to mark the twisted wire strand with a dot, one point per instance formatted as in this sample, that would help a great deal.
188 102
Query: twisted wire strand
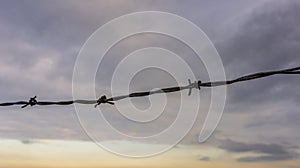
198 84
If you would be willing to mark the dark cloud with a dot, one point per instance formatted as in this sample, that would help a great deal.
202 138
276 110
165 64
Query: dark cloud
263 39
267 39
29 141
268 152
204 158
38 48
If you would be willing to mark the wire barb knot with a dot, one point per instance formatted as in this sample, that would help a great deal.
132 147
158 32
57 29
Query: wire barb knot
191 85
103 100
32 101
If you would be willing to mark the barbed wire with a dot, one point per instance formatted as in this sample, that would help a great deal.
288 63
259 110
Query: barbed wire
196 85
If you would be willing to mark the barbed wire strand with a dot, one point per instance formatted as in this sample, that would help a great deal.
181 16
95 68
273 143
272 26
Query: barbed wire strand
197 84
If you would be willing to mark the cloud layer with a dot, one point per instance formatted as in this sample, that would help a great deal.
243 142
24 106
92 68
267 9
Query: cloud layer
267 152
40 41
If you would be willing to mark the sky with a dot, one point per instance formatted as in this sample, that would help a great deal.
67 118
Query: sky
39 44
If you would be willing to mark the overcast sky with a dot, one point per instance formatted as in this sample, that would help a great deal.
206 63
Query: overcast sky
40 41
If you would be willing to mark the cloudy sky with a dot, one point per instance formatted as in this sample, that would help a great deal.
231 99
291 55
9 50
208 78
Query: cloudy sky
39 44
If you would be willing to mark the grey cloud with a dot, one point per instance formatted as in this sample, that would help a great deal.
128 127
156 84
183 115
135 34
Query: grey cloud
267 158
285 118
53 30
266 39
38 123
30 141
58 28
268 152
204 158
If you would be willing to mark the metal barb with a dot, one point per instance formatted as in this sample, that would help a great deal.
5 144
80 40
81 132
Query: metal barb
103 100
32 101
191 86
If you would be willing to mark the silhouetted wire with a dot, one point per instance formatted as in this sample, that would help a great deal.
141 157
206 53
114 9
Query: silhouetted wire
198 84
